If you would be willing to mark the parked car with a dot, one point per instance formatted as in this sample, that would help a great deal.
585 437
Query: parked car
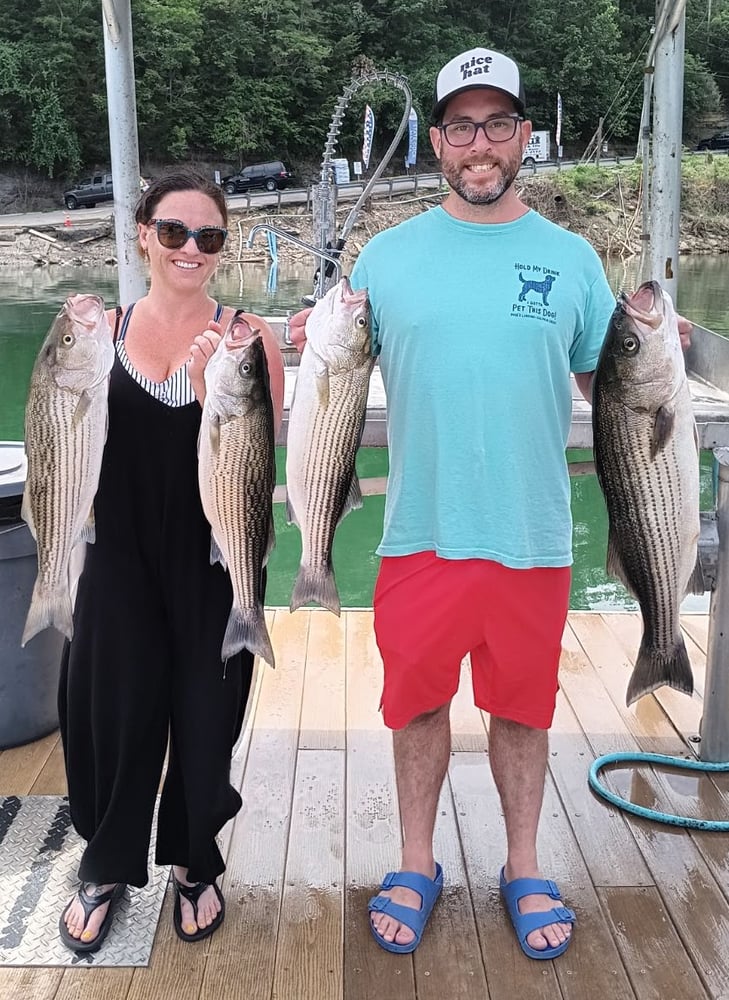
718 141
268 176
89 191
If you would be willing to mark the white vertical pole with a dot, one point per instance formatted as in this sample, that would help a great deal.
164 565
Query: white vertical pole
121 99
666 169
715 720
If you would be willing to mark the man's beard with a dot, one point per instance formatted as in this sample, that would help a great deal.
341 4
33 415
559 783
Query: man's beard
476 194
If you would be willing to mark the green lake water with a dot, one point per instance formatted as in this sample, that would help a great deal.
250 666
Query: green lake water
29 299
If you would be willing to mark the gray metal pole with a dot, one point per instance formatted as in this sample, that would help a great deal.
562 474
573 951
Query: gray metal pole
715 720
121 99
665 205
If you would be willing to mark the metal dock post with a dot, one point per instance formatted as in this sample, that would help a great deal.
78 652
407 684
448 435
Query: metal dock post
715 720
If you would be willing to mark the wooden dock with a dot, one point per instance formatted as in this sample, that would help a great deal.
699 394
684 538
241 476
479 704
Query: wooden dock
319 827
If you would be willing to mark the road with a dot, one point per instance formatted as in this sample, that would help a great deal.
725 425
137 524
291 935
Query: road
414 184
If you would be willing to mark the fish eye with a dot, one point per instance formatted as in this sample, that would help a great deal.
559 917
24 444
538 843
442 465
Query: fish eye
244 367
630 345
361 321
67 339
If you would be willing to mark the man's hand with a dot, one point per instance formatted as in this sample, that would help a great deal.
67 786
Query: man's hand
685 329
297 333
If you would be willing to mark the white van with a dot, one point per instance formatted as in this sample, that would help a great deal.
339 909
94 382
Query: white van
537 150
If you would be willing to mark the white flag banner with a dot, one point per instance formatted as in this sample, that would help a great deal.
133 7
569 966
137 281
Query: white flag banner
369 132
558 133
412 156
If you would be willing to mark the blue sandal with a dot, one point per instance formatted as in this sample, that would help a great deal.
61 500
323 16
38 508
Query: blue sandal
525 923
428 890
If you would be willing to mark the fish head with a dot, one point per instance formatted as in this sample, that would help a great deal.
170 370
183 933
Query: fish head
78 351
236 377
338 327
642 357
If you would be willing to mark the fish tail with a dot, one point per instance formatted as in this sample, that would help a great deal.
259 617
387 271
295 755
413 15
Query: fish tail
654 668
48 609
247 630
316 584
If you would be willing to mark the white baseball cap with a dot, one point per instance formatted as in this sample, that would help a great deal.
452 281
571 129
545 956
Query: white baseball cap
478 68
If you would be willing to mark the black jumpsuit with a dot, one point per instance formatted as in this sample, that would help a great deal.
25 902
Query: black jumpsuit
144 663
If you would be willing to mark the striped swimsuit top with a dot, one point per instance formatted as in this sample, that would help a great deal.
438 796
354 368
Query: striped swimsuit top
176 390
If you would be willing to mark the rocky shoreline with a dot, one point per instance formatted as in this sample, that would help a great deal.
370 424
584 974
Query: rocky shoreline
611 222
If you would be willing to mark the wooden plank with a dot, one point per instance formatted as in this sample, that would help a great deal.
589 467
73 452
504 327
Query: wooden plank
697 626
690 893
323 708
591 965
20 767
684 711
94 984
468 729
52 778
254 879
239 756
29 983
649 945
177 969
373 825
309 947
645 720
607 846
448 963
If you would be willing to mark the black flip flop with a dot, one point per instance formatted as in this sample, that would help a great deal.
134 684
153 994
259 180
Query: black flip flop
91 903
192 894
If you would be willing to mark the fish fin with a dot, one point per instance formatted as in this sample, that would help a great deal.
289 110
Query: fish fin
216 553
291 517
213 432
662 429
321 376
316 585
653 669
614 564
247 630
48 609
271 542
82 408
26 513
696 584
354 499
88 532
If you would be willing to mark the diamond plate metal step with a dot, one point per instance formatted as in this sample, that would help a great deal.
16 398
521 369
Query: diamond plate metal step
39 858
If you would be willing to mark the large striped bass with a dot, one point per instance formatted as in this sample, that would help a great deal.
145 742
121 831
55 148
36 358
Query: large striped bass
647 462
65 430
326 421
237 475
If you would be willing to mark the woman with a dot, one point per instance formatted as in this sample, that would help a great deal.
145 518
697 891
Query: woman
150 613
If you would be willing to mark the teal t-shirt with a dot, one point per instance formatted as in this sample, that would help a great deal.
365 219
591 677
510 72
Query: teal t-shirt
477 328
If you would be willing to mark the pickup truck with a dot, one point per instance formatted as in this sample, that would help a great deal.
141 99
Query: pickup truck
89 191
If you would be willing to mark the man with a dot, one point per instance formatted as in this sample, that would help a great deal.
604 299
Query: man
480 308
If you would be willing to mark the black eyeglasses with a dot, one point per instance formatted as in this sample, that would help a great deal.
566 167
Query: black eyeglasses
500 128
173 235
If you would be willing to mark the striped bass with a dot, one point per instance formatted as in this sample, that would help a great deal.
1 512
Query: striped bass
66 417
647 463
326 421
237 474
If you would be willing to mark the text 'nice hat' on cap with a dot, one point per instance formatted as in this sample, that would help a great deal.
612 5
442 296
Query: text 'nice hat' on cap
478 68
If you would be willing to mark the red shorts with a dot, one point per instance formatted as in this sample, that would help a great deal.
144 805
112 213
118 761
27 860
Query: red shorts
430 612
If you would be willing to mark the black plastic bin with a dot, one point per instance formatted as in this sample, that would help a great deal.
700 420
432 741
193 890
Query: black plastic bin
28 677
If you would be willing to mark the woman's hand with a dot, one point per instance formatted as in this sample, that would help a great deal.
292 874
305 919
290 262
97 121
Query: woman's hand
201 351
297 324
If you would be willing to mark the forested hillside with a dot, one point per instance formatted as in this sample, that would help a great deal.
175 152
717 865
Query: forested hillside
231 81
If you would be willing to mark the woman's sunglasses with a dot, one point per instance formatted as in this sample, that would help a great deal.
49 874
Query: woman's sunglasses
173 235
